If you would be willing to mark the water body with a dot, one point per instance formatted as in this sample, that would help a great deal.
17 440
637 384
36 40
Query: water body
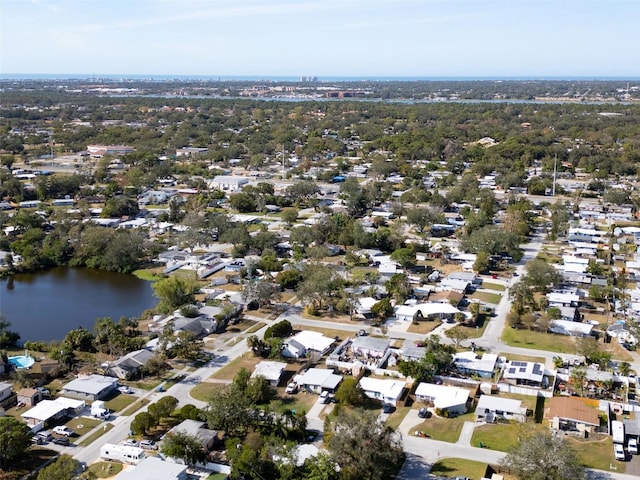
44 306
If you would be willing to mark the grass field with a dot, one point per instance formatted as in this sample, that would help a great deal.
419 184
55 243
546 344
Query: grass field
95 435
454 467
395 419
494 286
119 402
105 469
486 297
538 340
247 360
424 326
137 405
203 390
444 429
500 436
596 453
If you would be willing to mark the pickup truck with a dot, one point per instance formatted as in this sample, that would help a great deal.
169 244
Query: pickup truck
63 430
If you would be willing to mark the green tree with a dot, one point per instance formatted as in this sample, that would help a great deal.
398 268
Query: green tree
541 456
405 257
15 438
350 393
438 359
184 446
143 422
7 337
166 405
187 345
540 275
363 448
382 309
173 292
64 468
290 216
457 335
482 262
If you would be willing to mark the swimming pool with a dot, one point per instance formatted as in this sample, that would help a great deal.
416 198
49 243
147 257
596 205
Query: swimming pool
22 361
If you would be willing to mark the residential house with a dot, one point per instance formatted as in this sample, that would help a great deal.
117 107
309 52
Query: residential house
386 390
270 370
571 328
306 343
470 363
92 387
426 311
460 286
318 380
154 468
444 398
370 347
496 409
562 299
572 414
49 410
200 326
129 365
525 373
28 396
6 391
228 183
207 437
411 352
450 297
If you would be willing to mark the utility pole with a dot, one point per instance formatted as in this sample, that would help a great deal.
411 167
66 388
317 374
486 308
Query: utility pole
555 171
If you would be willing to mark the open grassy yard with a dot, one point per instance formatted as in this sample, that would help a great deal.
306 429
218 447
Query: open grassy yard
105 469
96 435
241 326
522 358
444 429
83 425
494 286
137 405
499 436
247 360
203 390
119 402
596 453
478 330
395 419
454 467
538 340
424 327
217 476
486 297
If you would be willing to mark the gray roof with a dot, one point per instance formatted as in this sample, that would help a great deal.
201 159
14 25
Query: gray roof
92 385
371 343
154 468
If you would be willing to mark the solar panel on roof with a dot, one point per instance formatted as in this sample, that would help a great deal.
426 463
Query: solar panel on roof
512 370
537 369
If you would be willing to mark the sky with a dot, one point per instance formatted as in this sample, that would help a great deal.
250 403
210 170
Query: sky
323 38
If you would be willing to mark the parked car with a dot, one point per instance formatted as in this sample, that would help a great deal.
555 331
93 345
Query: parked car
64 441
45 435
148 444
618 452
632 446
324 397
125 389
37 440
63 430
362 333
291 388
130 443
424 413
43 391
388 408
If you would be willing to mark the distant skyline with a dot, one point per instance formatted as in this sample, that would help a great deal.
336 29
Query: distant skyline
322 38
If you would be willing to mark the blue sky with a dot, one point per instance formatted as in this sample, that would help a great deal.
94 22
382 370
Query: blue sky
420 38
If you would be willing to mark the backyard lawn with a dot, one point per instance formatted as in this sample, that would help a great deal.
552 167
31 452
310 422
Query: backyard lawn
596 453
538 340
248 360
203 390
119 402
424 326
499 436
105 469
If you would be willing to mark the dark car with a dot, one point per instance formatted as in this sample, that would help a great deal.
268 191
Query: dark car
388 408
424 413
64 441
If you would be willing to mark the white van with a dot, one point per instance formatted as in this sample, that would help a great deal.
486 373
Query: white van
632 446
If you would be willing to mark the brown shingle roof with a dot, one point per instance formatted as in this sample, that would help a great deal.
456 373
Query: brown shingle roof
573 408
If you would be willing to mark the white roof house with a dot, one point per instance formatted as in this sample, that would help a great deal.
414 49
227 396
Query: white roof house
230 183
567 327
387 390
472 363
443 397
92 387
491 408
408 313
270 370
454 284
52 409
319 379
306 341
154 468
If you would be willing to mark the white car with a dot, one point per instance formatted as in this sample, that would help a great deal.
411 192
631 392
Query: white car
618 452
632 446
324 397
125 389
63 430
291 388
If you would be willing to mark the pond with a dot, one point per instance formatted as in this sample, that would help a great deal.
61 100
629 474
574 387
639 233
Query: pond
46 305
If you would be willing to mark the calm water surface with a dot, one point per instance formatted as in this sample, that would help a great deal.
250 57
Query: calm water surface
46 305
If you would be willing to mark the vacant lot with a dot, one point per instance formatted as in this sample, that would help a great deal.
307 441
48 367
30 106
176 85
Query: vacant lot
454 467
424 326
444 429
486 297
538 340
